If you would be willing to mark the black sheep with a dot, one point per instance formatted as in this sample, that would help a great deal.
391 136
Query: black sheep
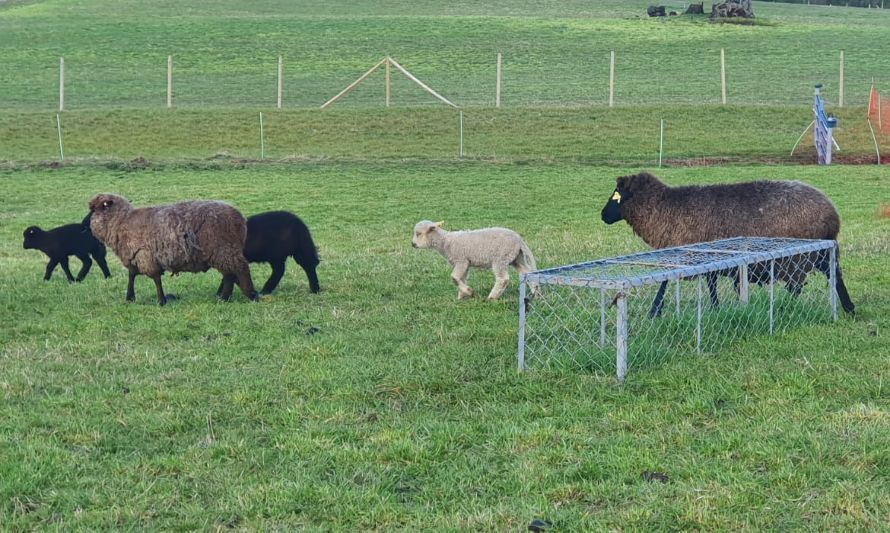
61 242
273 237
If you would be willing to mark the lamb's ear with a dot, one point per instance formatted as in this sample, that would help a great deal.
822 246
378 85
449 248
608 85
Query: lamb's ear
439 224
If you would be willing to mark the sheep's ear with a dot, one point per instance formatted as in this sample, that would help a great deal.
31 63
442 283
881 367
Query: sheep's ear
440 223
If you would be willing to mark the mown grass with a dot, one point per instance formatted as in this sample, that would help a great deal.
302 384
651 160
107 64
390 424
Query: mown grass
692 135
404 410
555 54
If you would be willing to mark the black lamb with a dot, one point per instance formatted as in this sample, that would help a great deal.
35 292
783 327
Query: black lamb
273 237
61 242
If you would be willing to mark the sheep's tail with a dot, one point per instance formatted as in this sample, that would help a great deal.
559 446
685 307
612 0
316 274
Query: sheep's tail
527 257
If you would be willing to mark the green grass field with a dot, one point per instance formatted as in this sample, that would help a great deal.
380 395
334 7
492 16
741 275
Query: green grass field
405 409
383 403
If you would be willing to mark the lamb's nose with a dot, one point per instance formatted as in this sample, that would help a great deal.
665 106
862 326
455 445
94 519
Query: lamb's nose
414 245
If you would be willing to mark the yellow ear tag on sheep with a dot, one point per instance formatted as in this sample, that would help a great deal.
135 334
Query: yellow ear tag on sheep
440 224
616 196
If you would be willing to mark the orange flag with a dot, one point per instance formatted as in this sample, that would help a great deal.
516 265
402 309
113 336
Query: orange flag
874 103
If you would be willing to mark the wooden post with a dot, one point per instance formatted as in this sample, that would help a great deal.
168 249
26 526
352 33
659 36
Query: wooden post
280 80
387 83
170 82
722 76
61 84
840 97
497 86
612 79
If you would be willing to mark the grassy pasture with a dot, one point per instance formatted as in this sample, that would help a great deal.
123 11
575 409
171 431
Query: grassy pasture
383 403
405 409
555 53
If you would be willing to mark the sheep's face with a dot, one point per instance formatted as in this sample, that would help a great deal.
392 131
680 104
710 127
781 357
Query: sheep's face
102 208
612 211
32 237
423 230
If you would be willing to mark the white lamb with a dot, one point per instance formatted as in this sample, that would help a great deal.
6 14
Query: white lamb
494 248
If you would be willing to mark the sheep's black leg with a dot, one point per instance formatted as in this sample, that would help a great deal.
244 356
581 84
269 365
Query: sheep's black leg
131 290
655 310
49 269
85 269
309 268
712 288
222 283
246 284
226 287
313 279
842 293
64 263
825 267
100 260
278 267
162 300
795 287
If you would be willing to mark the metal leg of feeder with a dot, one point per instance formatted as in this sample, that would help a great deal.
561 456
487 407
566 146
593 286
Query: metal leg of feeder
621 340
832 282
677 291
602 317
772 292
698 319
521 353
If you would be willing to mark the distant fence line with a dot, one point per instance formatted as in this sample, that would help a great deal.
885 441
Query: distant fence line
506 86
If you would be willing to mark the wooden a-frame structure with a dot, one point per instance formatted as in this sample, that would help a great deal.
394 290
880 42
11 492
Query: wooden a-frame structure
387 62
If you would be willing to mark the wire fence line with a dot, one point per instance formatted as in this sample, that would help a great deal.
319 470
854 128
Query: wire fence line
641 76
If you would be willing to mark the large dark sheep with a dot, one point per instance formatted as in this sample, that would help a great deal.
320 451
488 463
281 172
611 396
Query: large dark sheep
666 216
60 243
273 237
192 236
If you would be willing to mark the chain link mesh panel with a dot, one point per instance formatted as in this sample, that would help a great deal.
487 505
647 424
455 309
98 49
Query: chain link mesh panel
639 310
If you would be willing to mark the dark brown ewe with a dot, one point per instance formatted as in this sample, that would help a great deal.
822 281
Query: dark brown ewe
192 236
666 216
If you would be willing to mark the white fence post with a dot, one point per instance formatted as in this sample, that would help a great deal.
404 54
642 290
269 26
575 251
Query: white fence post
722 76
61 84
59 129
387 83
170 81
280 80
612 79
840 97
497 86
262 139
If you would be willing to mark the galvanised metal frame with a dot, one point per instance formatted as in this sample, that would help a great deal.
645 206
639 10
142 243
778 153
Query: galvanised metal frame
673 264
